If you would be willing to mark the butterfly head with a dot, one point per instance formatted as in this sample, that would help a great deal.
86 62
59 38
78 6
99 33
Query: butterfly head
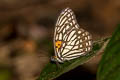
56 59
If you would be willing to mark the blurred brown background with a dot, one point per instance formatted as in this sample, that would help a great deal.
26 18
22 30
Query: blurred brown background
27 27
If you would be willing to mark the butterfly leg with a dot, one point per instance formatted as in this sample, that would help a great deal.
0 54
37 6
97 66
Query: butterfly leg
58 65
68 61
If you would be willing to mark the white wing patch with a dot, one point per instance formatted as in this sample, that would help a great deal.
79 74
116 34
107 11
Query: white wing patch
60 37
71 34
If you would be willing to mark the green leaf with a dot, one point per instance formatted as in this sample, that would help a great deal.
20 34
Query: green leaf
51 70
109 67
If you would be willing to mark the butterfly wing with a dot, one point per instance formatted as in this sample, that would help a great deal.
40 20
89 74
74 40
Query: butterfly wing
75 40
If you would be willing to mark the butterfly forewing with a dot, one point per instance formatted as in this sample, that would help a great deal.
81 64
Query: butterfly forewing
70 41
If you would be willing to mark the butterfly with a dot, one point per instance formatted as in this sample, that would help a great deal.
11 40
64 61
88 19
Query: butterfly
70 40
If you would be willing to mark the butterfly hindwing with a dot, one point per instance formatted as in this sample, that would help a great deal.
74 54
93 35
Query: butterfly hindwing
72 41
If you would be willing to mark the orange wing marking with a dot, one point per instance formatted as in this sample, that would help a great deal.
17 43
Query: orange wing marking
58 45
